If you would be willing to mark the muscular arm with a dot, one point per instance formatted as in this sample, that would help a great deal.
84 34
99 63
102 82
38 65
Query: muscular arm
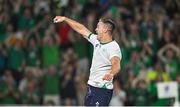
115 65
115 61
74 25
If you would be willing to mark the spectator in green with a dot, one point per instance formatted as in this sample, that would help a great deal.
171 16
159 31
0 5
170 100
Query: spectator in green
30 96
16 60
16 56
32 53
133 38
156 71
146 55
51 86
25 20
126 51
8 91
147 24
170 55
151 40
141 94
50 48
80 48
135 63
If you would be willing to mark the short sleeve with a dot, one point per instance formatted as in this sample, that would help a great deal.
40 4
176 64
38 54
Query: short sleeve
92 38
115 51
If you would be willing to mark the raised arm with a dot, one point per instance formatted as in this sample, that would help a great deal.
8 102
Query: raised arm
161 52
169 46
176 49
74 25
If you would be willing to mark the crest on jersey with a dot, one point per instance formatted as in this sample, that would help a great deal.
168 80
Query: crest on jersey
96 45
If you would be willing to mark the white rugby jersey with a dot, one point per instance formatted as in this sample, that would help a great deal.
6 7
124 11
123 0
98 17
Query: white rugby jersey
101 61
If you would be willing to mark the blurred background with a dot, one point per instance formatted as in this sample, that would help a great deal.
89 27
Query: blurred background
42 63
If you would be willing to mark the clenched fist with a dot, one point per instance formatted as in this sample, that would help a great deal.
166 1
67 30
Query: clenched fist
58 19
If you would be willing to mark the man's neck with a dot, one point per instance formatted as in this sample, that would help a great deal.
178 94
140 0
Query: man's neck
107 39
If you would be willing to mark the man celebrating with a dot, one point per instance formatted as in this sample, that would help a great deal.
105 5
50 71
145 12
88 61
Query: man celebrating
105 61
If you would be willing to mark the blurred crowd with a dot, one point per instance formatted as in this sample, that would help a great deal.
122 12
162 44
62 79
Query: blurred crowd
42 63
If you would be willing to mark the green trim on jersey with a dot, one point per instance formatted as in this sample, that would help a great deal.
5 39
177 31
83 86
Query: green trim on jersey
89 35
105 86
106 42
105 66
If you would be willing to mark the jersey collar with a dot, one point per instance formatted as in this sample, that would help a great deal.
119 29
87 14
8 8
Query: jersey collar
106 42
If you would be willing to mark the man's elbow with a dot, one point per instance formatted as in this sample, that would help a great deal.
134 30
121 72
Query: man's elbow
118 69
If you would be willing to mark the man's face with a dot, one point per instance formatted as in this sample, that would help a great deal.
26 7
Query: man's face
100 29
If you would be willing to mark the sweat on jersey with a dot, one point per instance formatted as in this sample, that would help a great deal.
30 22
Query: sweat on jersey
101 61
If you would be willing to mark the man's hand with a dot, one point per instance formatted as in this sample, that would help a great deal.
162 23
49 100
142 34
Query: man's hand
58 19
108 77
115 62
